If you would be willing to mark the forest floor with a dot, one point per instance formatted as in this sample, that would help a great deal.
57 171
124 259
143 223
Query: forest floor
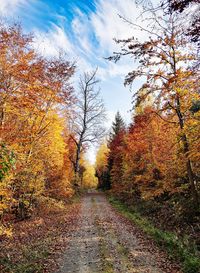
105 241
37 243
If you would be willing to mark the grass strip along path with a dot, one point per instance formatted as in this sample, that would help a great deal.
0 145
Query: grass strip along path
177 249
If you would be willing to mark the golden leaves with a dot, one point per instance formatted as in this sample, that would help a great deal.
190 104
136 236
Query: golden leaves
33 92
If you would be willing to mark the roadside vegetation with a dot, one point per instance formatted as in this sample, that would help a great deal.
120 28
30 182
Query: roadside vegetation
37 243
180 249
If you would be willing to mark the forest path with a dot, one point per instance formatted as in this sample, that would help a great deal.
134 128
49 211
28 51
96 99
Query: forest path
107 242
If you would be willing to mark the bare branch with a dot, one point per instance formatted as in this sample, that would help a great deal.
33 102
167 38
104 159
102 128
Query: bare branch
89 115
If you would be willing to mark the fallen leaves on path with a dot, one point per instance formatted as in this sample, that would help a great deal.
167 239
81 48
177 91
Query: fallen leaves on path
105 241
37 243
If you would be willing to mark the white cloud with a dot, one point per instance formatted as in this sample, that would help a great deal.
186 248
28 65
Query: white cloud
108 25
92 34
95 33
7 6
11 7
102 25
55 40
81 31
115 70
51 42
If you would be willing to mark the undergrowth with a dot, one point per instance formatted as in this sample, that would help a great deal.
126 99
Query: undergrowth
31 261
177 248
36 240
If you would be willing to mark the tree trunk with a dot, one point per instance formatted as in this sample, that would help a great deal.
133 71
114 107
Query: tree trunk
190 173
2 115
76 169
76 165
22 210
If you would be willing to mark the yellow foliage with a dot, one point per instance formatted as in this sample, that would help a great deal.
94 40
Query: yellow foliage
6 231
101 158
32 123
89 178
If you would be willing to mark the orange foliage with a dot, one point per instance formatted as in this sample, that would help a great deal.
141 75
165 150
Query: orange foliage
34 90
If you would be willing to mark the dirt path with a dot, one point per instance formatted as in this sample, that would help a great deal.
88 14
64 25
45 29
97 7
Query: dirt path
106 242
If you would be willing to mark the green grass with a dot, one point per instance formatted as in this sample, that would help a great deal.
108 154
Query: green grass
104 252
107 263
178 249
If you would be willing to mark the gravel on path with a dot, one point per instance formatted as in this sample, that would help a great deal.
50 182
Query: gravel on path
107 242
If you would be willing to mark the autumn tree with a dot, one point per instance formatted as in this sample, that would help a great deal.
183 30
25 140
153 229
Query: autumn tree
144 100
193 30
165 60
109 156
89 178
118 126
34 91
152 168
115 156
7 161
87 120
101 167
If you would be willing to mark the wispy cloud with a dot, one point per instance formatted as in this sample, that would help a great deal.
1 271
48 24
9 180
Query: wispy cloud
82 32
52 42
85 36
94 34
107 23
8 7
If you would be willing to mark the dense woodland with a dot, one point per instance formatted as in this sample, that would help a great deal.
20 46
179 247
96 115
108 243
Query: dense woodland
47 125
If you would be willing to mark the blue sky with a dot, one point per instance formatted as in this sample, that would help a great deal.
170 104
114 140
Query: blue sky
85 31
